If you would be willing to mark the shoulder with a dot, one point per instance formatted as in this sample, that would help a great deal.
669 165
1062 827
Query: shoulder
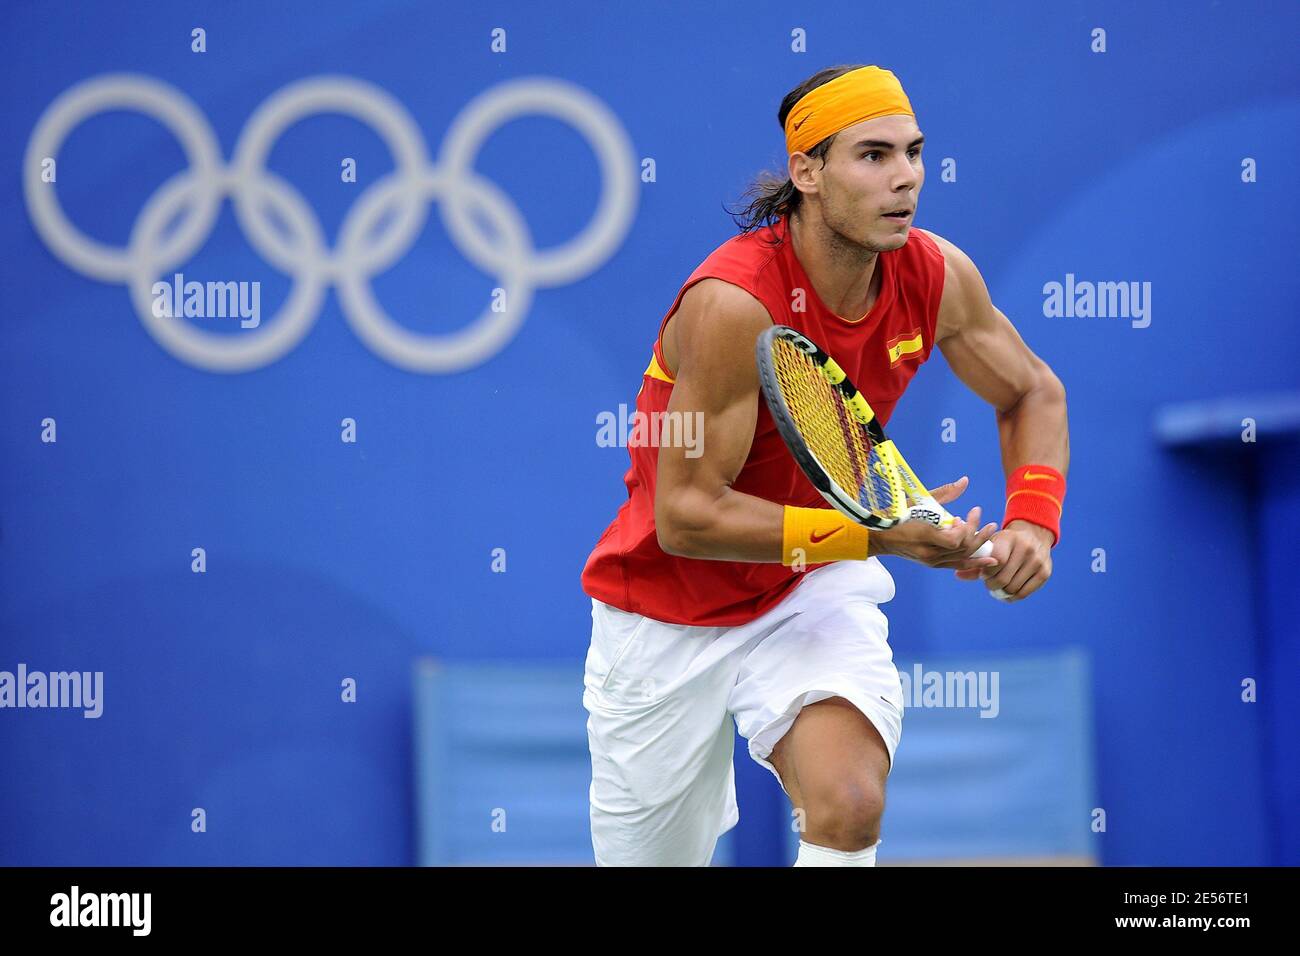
711 318
742 258
732 281
964 292
721 307
956 263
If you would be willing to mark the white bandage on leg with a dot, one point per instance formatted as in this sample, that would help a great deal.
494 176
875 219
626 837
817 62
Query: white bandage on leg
812 855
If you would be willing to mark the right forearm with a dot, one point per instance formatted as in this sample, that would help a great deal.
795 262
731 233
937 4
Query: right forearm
734 526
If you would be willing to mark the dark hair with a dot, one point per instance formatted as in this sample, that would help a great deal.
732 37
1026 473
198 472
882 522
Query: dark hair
772 196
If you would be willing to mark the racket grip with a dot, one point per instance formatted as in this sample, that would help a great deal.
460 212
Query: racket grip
983 551
930 510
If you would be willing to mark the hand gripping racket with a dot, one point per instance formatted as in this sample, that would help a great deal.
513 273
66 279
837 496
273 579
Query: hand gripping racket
837 440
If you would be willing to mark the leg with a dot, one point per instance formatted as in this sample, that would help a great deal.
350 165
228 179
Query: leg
833 763
662 782
821 705
679 829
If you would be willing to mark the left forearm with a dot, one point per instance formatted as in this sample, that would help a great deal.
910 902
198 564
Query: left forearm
1035 430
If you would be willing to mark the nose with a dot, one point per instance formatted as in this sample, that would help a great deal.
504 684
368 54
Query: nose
907 175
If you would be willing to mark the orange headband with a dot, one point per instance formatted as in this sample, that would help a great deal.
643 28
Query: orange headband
854 97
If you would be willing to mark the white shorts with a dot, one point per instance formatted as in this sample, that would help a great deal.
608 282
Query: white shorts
659 697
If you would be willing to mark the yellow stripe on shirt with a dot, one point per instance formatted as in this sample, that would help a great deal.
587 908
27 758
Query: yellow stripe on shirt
655 370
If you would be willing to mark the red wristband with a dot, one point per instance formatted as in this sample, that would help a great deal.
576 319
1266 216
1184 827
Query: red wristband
1035 493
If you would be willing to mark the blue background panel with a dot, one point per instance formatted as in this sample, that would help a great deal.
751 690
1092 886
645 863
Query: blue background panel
330 561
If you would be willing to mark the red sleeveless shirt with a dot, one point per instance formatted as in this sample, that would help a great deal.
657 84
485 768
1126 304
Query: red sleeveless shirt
880 352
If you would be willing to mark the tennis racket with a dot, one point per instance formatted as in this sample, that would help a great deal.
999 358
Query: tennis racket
837 440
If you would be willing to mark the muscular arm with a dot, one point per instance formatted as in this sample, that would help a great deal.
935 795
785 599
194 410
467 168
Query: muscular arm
697 512
986 352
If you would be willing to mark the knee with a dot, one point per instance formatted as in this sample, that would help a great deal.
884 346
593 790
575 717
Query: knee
845 814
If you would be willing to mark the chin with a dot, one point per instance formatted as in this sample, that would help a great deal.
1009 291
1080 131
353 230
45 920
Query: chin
898 239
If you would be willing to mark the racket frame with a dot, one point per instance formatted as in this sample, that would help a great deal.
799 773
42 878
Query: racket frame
918 504
828 487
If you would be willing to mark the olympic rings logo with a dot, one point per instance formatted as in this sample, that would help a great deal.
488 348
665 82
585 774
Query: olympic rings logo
192 200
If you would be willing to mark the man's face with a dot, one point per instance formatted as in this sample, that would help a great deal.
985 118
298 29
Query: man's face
872 169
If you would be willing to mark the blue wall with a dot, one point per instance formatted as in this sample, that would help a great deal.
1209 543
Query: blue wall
329 560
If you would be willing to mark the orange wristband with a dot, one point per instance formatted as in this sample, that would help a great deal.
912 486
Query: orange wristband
817 535
1035 493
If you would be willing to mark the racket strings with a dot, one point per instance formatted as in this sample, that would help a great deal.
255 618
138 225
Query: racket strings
831 431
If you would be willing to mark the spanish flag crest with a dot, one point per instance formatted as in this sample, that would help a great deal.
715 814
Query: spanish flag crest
909 343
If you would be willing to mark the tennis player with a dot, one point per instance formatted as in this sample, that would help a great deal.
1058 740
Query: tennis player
725 588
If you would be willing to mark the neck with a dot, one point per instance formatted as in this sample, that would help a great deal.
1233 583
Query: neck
843 274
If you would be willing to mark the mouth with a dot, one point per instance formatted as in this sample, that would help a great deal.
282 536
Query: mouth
899 215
